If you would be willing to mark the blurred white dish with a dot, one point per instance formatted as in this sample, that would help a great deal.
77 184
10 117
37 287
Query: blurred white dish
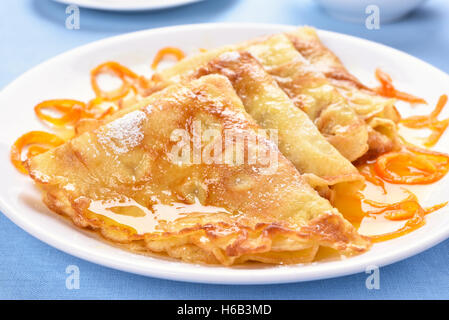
67 75
128 5
355 10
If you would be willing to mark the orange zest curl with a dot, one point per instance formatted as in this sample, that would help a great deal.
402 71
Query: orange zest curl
94 110
408 209
412 224
127 77
430 122
387 89
37 142
435 207
402 210
367 171
412 166
161 54
71 111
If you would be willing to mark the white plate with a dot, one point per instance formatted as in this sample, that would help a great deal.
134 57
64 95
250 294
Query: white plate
128 5
67 76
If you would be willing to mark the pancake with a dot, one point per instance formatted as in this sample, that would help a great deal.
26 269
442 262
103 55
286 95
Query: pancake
271 107
307 87
134 181
299 139
313 93
377 111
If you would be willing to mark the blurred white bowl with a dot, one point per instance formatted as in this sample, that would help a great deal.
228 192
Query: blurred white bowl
354 10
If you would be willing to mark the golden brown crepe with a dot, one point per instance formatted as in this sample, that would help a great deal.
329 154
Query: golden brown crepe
378 112
306 86
121 180
271 107
299 139
312 92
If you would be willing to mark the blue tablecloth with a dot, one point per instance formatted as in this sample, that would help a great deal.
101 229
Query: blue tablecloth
32 31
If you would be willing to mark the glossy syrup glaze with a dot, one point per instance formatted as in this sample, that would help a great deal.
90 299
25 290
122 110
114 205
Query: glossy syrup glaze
144 220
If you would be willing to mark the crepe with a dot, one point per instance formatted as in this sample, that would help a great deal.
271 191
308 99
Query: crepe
312 92
299 139
307 87
124 180
378 112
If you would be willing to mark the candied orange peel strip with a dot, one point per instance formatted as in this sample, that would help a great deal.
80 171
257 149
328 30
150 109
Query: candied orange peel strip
161 54
438 127
408 209
402 210
411 166
412 224
367 171
37 143
70 110
387 89
127 77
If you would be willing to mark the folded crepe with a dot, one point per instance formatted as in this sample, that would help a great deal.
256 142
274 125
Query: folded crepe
312 92
378 112
308 88
272 109
125 180
263 98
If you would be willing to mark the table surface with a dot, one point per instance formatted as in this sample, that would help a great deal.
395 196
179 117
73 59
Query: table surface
31 31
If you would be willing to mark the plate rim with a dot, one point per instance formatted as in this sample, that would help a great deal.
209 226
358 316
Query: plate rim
145 6
227 275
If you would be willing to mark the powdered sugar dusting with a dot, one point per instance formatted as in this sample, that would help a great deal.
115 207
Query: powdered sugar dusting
124 133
